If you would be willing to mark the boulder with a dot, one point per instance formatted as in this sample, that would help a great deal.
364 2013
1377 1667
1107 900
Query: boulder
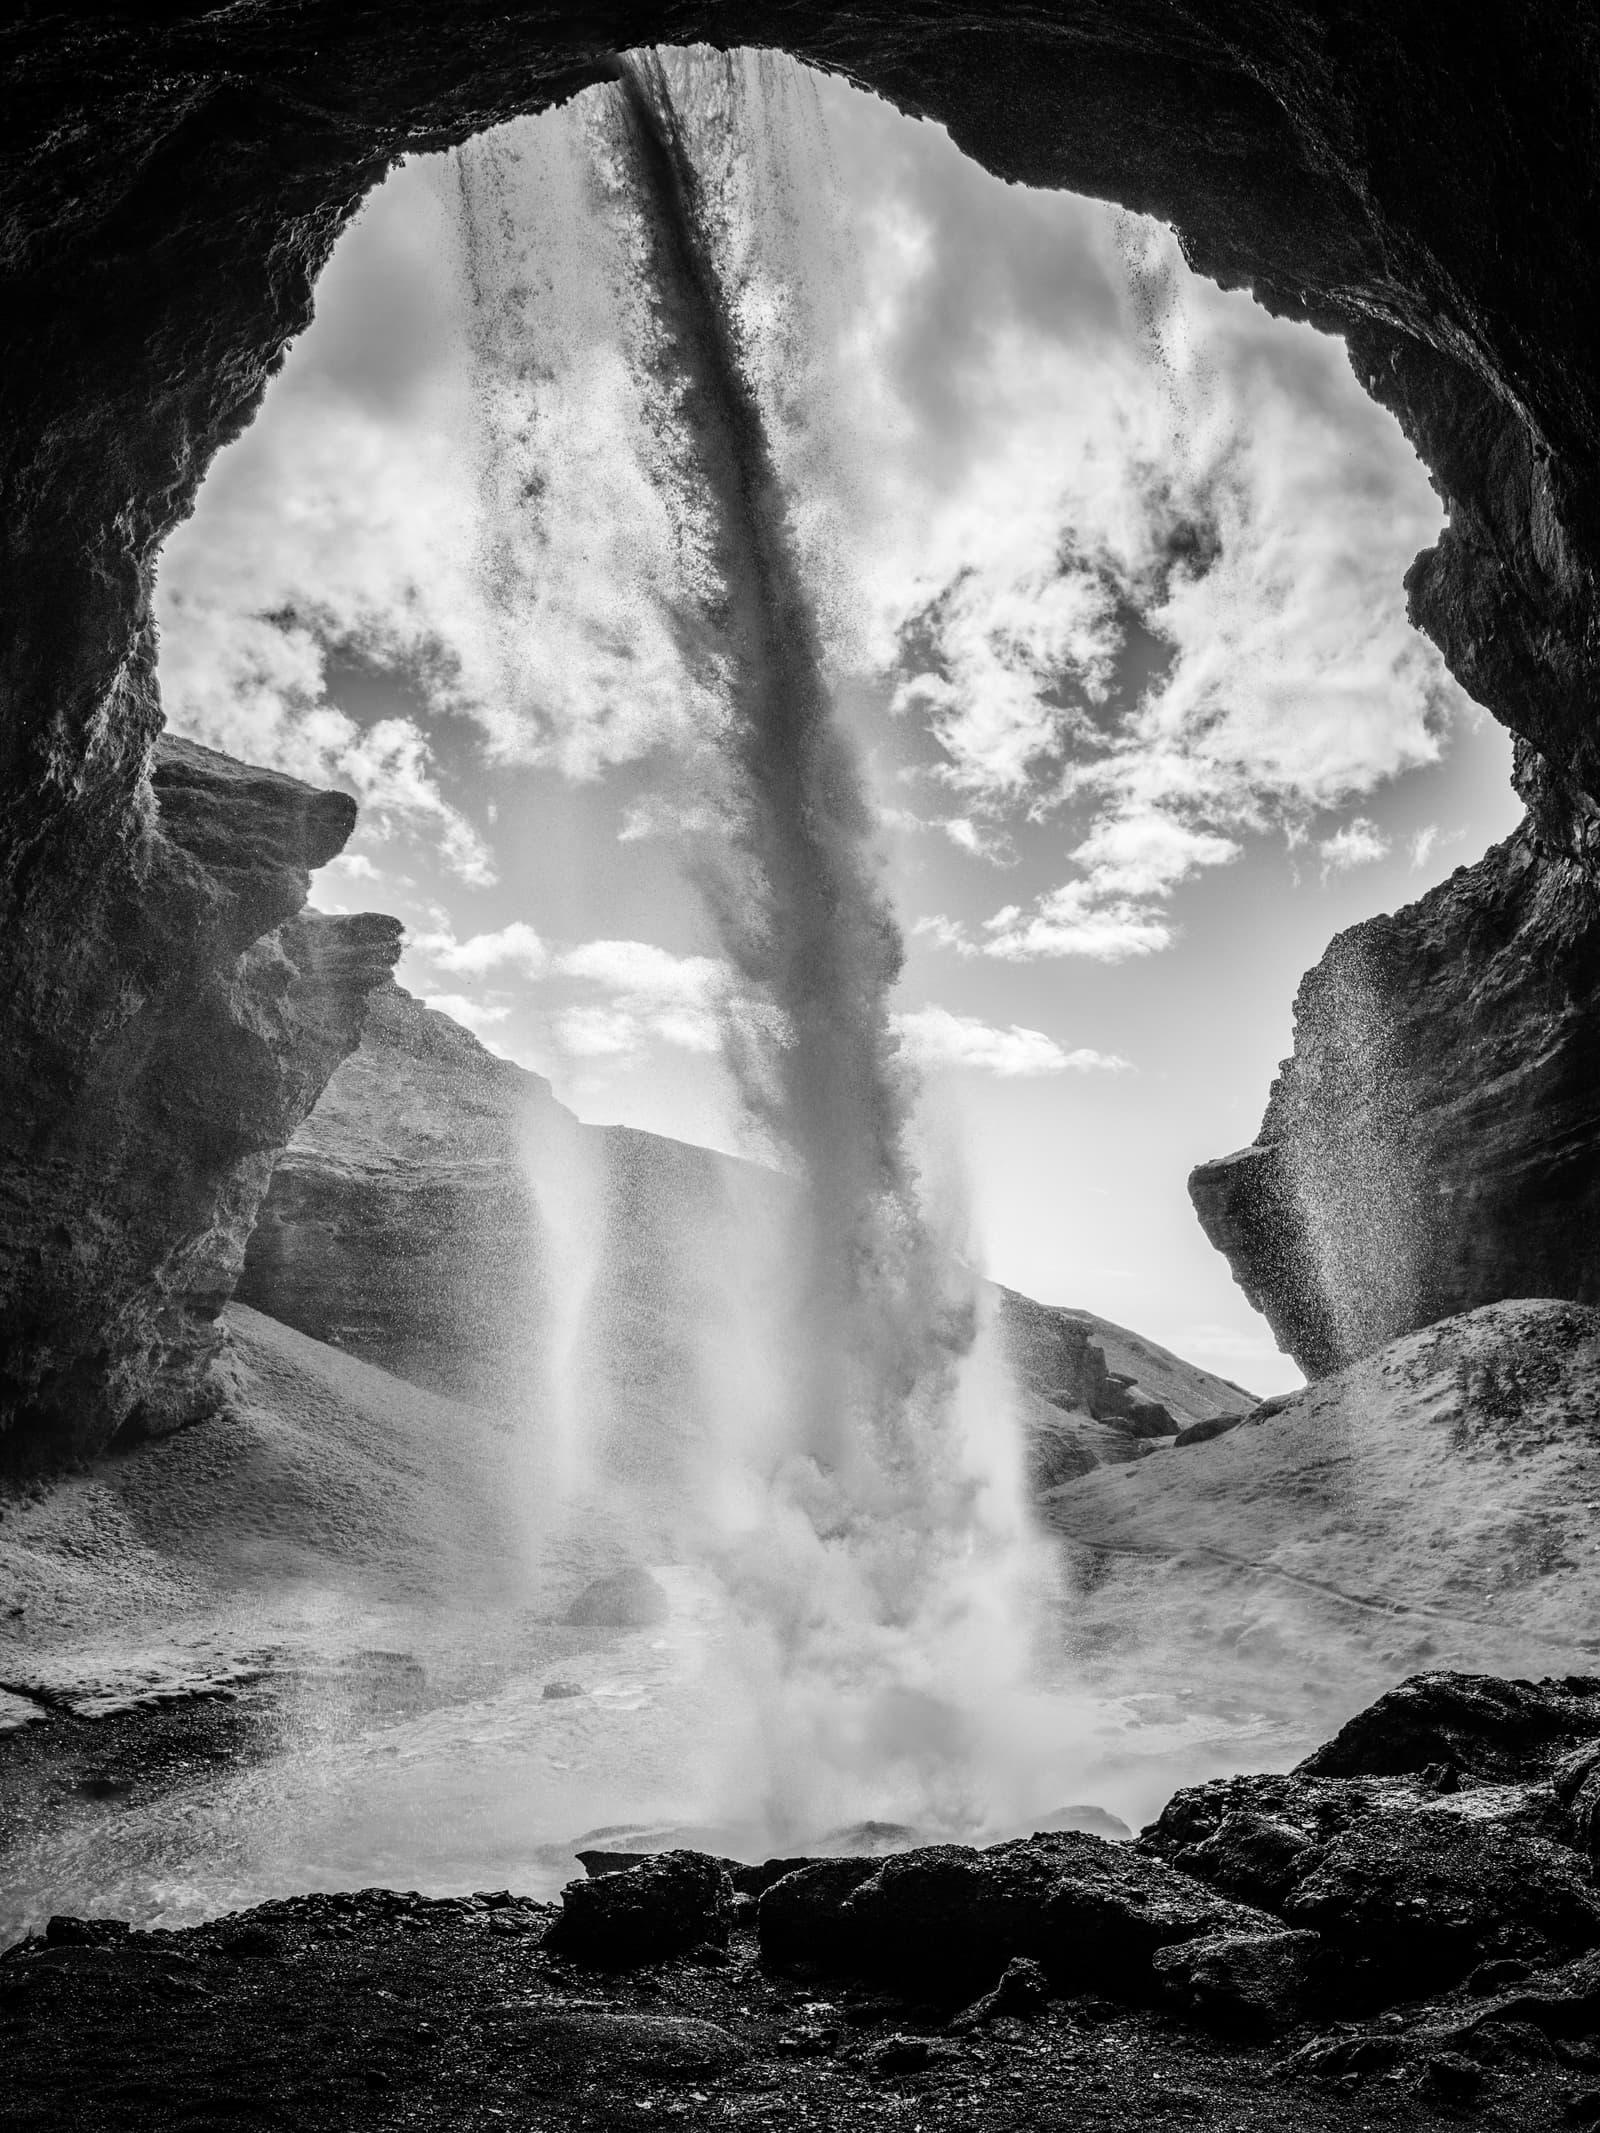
1413 1900
1023 1991
662 1907
1252 1855
800 1917
947 1917
1484 1727
1253 1983
1203 1432
1417 1880
625 1599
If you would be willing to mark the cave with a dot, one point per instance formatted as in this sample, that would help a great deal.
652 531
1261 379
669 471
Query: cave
175 184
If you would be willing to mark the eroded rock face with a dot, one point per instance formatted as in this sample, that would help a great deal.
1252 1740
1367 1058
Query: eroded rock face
401 1223
171 189
1434 1142
441 1215
135 1150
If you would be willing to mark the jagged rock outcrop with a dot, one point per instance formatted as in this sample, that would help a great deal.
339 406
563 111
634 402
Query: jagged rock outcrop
1089 1366
171 187
134 1153
1434 1142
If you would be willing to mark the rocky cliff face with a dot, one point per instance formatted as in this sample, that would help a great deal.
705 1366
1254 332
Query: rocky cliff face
170 188
135 1148
1434 1142
441 1215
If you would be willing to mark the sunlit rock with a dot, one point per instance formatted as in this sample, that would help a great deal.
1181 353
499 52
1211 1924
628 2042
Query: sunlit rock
134 1156
1434 1142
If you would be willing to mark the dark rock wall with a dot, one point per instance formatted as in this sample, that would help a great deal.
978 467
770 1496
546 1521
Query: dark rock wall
1434 1142
138 1137
172 180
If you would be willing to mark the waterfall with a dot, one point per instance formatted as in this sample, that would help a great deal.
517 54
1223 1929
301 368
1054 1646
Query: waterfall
866 1523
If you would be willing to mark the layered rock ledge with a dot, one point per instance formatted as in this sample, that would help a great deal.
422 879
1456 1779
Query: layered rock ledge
136 1147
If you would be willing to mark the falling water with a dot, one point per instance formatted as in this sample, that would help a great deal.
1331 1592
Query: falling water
865 1521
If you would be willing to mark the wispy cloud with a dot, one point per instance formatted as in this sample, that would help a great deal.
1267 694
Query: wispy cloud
595 999
516 947
935 1037
1358 843
1076 920
1422 843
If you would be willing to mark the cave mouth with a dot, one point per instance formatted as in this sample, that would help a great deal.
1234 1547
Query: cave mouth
1108 561
338 683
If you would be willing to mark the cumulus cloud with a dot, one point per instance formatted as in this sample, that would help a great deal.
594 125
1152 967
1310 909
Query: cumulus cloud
1358 843
1076 920
1112 910
1126 552
595 999
935 1037
515 947
674 999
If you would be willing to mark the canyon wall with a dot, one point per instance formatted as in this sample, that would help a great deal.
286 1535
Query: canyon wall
137 1143
169 189
1434 1142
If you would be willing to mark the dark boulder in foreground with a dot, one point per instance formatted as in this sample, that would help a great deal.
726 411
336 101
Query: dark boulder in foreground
946 1917
1253 1983
646 1913
1479 1726
1414 1900
627 1599
1443 1830
801 1918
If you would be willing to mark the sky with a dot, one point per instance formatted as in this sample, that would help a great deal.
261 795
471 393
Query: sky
1108 568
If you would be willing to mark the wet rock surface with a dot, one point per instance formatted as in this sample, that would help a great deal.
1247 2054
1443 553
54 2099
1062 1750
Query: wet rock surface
1433 1144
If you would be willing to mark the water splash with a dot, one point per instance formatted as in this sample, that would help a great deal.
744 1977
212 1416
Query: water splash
865 1511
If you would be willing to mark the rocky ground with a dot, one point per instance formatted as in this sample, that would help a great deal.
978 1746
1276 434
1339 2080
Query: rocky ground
1402 1932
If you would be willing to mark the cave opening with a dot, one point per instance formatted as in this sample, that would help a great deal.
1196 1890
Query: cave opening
427 1682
